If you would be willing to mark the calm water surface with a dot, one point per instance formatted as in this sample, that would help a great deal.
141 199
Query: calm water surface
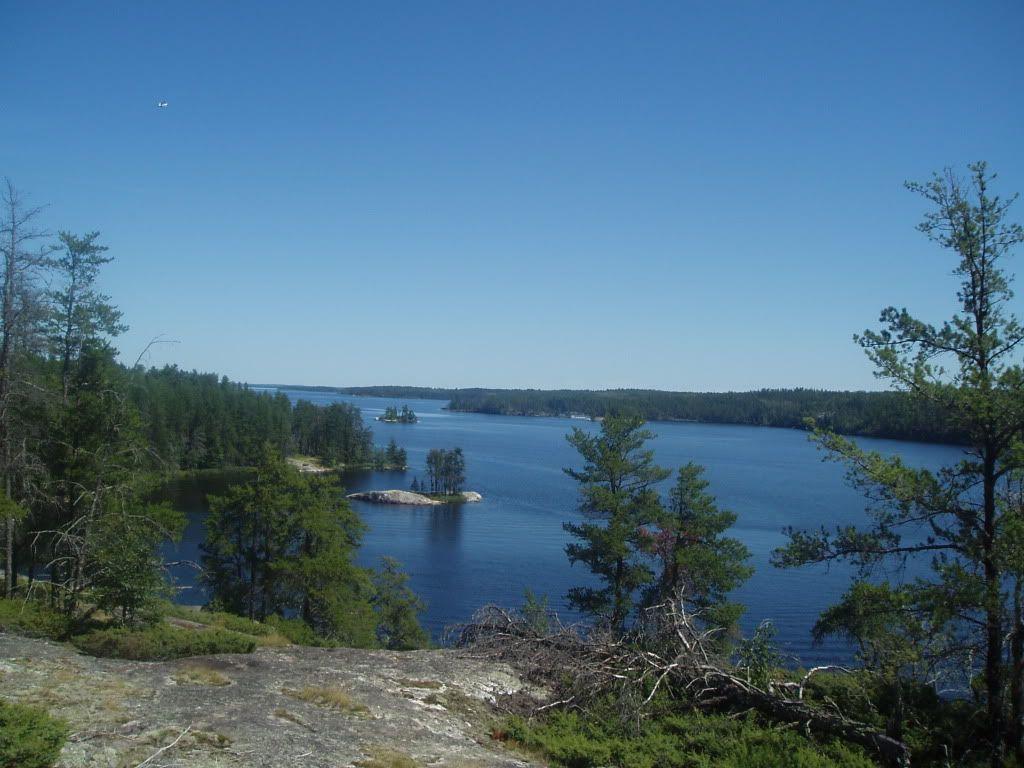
461 558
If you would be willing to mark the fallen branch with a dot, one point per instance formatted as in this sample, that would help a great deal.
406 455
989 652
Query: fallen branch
164 748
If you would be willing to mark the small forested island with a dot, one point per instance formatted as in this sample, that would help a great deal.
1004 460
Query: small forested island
394 416
446 474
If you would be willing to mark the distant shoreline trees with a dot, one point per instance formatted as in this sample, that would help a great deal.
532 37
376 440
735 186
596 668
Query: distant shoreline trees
891 415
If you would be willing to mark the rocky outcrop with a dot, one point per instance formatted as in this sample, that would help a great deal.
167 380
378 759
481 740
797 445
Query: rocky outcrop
290 706
395 497
409 498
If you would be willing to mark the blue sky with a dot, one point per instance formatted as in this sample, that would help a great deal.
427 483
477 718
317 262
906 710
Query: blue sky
695 196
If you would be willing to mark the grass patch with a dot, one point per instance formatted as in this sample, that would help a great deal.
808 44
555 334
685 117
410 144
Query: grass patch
196 674
386 758
162 642
217 619
291 717
29 737
328 698
445 498
432 685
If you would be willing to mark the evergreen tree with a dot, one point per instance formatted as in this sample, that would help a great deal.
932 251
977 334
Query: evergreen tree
699 565
284 544
79 313
617 498
968 367
398 609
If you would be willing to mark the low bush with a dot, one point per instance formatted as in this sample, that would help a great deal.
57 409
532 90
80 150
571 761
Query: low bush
161 642
33 618
690 740
298 632
29 737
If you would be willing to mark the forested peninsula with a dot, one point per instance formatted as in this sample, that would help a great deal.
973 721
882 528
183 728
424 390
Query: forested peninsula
893 415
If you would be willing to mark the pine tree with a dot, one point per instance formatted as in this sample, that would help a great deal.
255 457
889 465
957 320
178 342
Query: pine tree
699 565
969 368
617 498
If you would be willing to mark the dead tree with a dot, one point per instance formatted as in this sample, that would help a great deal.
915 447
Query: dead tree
668 650
21 261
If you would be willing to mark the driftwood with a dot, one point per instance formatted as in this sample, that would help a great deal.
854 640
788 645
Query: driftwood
668 649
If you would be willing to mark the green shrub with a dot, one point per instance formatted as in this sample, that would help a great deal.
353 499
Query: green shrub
33 618
298 632
29 737
689 740
162 642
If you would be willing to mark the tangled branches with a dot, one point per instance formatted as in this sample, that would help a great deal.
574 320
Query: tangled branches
668 651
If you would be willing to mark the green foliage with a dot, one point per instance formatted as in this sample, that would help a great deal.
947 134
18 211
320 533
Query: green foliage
398 609
391 457
160 642
673 740
446 471
34 618
220 619
299 632
617 498
284 544
203 421
758 657
938 730
334 433
536 612
698 564
394 416
29 737
960 520
128 574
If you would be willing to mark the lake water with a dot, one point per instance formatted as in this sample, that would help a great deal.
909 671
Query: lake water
461 558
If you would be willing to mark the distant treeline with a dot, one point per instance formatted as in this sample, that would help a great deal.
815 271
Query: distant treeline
201 421
871 414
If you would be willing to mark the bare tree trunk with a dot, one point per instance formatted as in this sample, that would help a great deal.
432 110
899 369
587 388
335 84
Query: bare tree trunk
1015 743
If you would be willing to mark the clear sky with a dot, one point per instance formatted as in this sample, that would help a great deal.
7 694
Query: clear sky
695 196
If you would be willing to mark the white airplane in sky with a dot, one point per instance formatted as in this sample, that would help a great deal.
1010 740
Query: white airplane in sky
161 104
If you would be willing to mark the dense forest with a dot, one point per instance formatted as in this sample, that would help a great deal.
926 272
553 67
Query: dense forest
198 420
870 414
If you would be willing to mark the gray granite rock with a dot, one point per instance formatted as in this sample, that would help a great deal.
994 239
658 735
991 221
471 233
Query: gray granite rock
290 706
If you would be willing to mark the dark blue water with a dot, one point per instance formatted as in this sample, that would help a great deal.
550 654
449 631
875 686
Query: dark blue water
461 558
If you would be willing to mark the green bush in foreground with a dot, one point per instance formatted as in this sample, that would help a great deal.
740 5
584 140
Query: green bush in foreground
32 618
299 632
161 642
29 737
689 740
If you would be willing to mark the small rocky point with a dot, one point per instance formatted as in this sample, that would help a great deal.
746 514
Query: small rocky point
408 498
289 706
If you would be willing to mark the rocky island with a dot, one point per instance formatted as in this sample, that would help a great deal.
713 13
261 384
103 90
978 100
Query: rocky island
411 498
